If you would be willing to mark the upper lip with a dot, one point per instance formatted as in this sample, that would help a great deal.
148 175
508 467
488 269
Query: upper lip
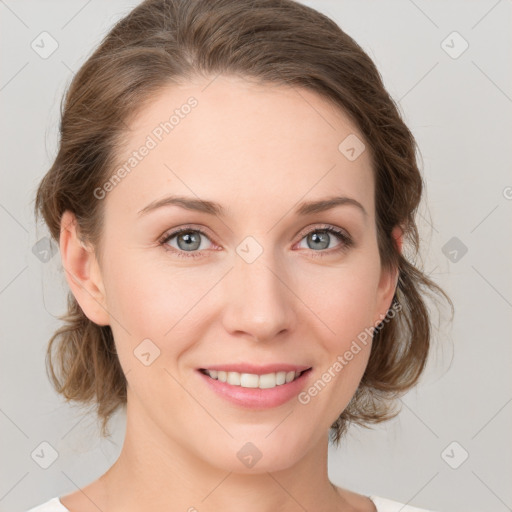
257 369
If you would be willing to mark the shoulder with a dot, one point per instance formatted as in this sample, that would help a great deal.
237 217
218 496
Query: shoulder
53 505
387 505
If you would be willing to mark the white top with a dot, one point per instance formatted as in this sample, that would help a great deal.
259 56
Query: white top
382 504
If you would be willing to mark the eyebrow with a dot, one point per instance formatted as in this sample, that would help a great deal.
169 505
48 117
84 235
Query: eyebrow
213 208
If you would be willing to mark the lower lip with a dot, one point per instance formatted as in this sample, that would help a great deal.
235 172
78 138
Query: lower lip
256 398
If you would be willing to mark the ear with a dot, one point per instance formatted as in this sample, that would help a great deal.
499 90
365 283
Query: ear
398 235
82 271
388 281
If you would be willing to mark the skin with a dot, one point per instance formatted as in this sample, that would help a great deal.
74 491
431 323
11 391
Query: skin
259 151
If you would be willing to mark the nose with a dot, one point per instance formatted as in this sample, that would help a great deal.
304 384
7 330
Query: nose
258 300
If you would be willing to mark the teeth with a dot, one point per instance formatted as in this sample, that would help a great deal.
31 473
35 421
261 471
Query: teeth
248 380
251 380
280 378
233 379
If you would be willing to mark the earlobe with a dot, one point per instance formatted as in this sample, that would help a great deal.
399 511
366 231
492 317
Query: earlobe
82 271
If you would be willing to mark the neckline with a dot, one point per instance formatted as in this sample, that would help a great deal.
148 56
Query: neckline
372 499
64 509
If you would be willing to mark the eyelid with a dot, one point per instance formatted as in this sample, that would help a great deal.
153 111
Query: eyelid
319 227
187 227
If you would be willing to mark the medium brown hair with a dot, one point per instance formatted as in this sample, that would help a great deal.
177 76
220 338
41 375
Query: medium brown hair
161 42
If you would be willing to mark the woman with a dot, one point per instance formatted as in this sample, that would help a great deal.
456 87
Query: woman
232 195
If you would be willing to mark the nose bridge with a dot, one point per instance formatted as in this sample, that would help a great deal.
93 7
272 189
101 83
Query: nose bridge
257 301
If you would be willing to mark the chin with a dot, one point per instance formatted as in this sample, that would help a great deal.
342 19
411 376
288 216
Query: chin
258 452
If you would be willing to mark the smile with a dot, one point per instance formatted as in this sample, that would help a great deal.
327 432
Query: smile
252 380
254 386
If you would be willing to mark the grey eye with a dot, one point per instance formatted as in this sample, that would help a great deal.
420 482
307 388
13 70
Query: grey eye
187 240
319 240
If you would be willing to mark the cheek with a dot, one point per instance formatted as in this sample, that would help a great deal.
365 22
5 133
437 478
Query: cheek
344 307
149 299
342 299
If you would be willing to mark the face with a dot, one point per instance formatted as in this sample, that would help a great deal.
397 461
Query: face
256 283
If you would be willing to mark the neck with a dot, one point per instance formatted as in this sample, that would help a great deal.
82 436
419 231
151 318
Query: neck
155 472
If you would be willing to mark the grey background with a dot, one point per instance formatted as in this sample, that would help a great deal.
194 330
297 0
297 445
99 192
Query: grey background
459 109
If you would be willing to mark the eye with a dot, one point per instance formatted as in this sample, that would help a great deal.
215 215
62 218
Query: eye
187 240
319 240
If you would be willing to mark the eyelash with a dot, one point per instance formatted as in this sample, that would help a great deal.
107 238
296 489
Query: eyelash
346 241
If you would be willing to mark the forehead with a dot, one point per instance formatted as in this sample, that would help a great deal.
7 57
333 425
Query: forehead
241 144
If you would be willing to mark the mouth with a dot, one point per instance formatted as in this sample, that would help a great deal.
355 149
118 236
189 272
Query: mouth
255 380
256 387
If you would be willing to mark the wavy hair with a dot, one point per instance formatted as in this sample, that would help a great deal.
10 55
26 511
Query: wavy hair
161 42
